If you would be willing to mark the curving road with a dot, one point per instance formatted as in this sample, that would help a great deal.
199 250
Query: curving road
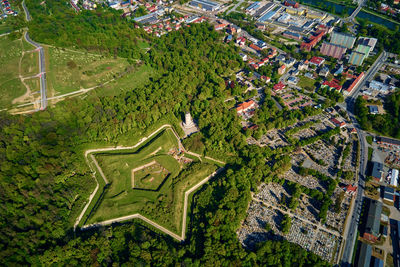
42 67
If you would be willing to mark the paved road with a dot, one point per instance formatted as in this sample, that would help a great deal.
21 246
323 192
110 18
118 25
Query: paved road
236 6
42 67
353 222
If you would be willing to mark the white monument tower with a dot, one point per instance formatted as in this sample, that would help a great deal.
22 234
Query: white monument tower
188 121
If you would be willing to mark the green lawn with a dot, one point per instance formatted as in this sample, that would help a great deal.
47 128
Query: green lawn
162 204
30 64
305 83
72 70
10 85
136 78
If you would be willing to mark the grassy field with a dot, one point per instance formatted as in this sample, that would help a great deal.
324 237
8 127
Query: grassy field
30 64
163 204
138 77
10 84
71 70
306 83
150 177
34 85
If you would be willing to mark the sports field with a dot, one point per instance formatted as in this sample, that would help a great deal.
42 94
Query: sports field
150 180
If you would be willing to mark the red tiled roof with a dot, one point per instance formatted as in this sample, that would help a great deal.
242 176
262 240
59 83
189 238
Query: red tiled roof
355 82
317 60
350 188
279 86
255 47
245 105
333 84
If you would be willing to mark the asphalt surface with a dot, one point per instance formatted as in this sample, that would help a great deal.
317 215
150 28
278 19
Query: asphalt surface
42 67
355 217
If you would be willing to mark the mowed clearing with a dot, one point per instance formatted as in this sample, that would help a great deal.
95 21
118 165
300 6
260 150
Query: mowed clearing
16 58
73 70
162 175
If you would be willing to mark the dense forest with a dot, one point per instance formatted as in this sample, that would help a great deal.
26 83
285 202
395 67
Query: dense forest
44 180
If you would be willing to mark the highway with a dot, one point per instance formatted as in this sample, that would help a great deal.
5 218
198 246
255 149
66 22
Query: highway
42 67
355 217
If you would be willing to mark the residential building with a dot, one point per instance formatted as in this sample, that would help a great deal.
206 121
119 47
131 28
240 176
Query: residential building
243 56
339 70
333 50
388 143
373 109
289 62
338 123
309 75
220 26
279 86
389 194
302 66
317 61
282 70
293 80
377 171
343 39
350 189
205 5
394 177
241 41
324 71
265 78
255 47
364 259
245 106
332 85
260 26
355 83
373 219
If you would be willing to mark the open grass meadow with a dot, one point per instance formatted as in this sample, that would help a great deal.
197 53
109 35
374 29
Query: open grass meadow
163 204
139 76
10 84
72 70
34 85
30 64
